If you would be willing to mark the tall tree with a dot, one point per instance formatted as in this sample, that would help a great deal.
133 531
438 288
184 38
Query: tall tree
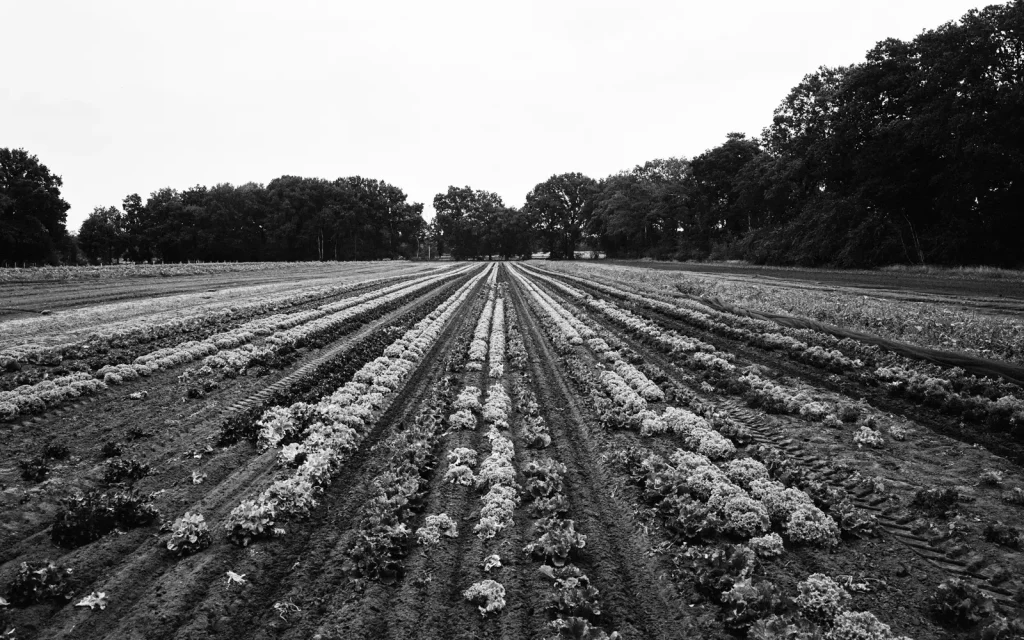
466 221
103 237
563 206
32 212
715 193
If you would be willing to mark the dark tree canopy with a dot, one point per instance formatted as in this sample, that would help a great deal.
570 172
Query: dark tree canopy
32 212
563 205
103 238
292 218
475 224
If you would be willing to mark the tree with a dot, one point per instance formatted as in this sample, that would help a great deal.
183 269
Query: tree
562 206
715 193
467 222
32 212
639 212
103 238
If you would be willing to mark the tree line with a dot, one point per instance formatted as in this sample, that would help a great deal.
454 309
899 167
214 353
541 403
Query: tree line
291 218
915 155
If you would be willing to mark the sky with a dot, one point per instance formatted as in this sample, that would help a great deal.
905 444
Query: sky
130 97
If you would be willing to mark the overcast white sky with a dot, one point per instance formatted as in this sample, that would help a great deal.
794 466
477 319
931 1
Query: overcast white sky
125 97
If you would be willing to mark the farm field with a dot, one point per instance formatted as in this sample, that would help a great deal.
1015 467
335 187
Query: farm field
502 450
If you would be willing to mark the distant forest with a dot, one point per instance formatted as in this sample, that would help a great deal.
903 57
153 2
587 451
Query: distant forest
915 155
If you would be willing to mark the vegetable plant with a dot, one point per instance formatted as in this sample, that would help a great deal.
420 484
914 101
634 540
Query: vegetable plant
38 581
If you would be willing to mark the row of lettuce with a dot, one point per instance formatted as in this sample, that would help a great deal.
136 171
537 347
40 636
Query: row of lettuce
227 352
951 390
731 512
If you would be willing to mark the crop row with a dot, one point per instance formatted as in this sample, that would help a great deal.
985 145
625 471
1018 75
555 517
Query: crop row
573 601
282 331
142 330
496 475
318 438
705 503
952 390
717 370
323 379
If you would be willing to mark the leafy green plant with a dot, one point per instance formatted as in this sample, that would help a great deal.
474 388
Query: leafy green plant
34 470
88 517
488 595
859 625
574 595
550 507
377 553
747 602
189 535
1005 535
39 581
960 603
785 628
581 629
436 526
1014 496
56 451
252 520
719 569
121 470
936 501
137 433
558 541
1003 629
767 546
821 598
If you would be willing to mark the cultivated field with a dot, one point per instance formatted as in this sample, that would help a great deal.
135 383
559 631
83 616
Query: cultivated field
506 450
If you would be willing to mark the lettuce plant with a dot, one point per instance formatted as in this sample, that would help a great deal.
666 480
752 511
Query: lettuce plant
821 598
766 546
121 470
717 570
84 518
580 629
189 535
488 595
868 436
937 501
435 527
747 602
811 525
38 581
558 540
34 469
860 625
574 596
252 520
1002 534
960 603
